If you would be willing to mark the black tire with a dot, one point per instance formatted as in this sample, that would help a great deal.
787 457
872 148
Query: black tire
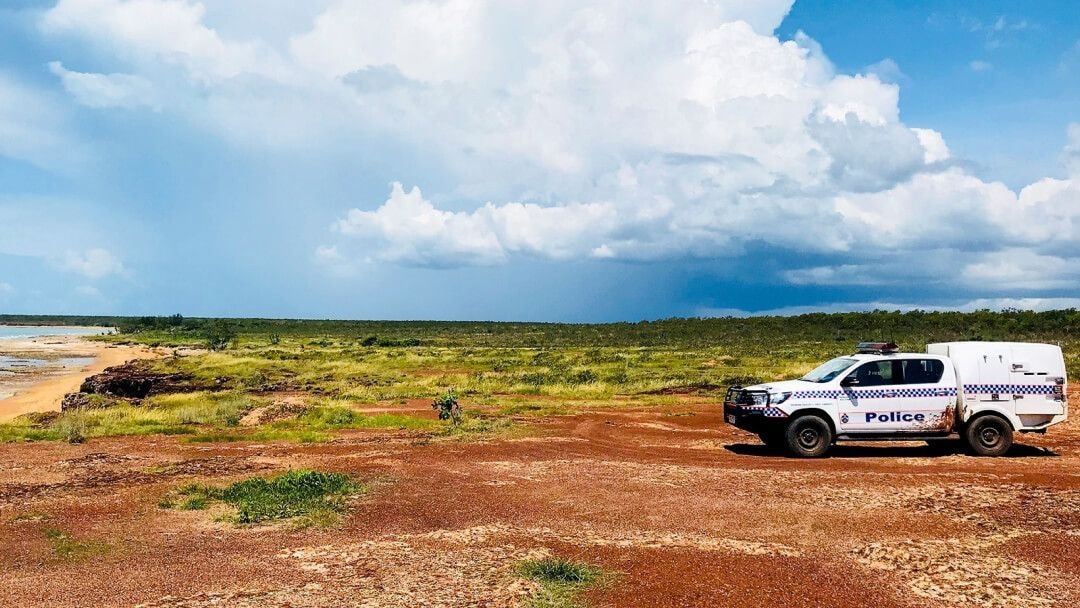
808 436
989 435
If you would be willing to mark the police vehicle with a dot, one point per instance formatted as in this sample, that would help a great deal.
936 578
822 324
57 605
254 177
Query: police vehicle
982 392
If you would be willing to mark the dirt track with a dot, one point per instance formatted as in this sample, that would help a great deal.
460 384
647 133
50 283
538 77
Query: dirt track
685 511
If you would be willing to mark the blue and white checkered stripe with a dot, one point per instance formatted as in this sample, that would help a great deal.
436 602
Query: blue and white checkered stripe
1012 389
816 394
877 393
768 412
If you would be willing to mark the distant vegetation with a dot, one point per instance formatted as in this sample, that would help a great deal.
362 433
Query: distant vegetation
911 329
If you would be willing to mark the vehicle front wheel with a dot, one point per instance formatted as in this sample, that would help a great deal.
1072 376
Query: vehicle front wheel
989 436
808 436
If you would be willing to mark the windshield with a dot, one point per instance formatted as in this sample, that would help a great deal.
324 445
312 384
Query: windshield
829 370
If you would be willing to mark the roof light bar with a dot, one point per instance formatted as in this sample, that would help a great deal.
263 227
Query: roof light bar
877 348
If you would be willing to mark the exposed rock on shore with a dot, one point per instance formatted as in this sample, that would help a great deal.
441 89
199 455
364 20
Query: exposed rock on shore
131 382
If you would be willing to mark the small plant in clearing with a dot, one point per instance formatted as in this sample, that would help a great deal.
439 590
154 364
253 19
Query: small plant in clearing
448 407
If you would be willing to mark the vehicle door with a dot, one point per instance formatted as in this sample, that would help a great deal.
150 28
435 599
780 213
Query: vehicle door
994 378
926 401
1033 387
869 398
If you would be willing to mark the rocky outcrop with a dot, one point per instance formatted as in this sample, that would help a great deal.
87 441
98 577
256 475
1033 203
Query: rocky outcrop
130 382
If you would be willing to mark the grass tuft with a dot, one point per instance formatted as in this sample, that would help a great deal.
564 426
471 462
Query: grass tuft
560 581
300 493
65 547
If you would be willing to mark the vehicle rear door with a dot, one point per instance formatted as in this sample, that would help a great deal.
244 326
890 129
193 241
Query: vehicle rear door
1036 381
926 401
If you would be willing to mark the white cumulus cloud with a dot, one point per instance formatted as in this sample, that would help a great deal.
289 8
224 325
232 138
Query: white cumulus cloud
94 263
106 90
602 129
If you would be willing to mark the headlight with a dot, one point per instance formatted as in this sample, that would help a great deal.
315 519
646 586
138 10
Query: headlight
778 398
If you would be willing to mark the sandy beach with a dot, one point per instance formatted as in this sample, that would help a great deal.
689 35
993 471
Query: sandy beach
68 360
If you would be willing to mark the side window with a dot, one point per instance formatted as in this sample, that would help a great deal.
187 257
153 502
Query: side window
875 373
922 371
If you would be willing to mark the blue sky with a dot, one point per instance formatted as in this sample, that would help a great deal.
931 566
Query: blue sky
585 161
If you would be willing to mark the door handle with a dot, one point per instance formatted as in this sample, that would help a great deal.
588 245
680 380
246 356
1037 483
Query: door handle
889 393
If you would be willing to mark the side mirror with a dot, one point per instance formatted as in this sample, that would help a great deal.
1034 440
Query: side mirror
849 381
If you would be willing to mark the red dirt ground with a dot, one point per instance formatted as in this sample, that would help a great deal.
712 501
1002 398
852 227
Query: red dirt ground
681 509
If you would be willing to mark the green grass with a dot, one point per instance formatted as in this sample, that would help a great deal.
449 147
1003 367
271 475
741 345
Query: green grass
160 415
560 581
67 548
321 418
22 430
302 493
317 424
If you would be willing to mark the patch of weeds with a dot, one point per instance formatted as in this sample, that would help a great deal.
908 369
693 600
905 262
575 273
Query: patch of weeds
318 518
66 547
678 414
560 581
194 503
584 376
475 427
72 427
311 495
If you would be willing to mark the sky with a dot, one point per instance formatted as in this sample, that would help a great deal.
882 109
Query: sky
572 160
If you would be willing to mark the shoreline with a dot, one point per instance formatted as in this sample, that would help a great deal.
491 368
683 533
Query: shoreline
42 389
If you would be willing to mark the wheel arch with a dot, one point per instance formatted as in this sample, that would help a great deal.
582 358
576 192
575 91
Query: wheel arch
1014 422
814 411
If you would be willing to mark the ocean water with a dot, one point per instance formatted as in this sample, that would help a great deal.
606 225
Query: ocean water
31 331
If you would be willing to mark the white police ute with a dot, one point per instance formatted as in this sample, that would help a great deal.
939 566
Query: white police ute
982 392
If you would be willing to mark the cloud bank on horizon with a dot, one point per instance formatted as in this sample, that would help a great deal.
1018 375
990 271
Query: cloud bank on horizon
566 132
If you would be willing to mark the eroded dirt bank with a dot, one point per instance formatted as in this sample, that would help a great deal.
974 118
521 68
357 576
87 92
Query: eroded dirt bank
684 511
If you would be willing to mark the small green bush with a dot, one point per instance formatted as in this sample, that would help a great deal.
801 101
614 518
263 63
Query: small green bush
448 407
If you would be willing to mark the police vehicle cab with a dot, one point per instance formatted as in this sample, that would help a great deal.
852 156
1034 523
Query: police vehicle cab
982 392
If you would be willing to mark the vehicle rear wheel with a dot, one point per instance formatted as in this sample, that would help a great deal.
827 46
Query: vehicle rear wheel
808 436
989 436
